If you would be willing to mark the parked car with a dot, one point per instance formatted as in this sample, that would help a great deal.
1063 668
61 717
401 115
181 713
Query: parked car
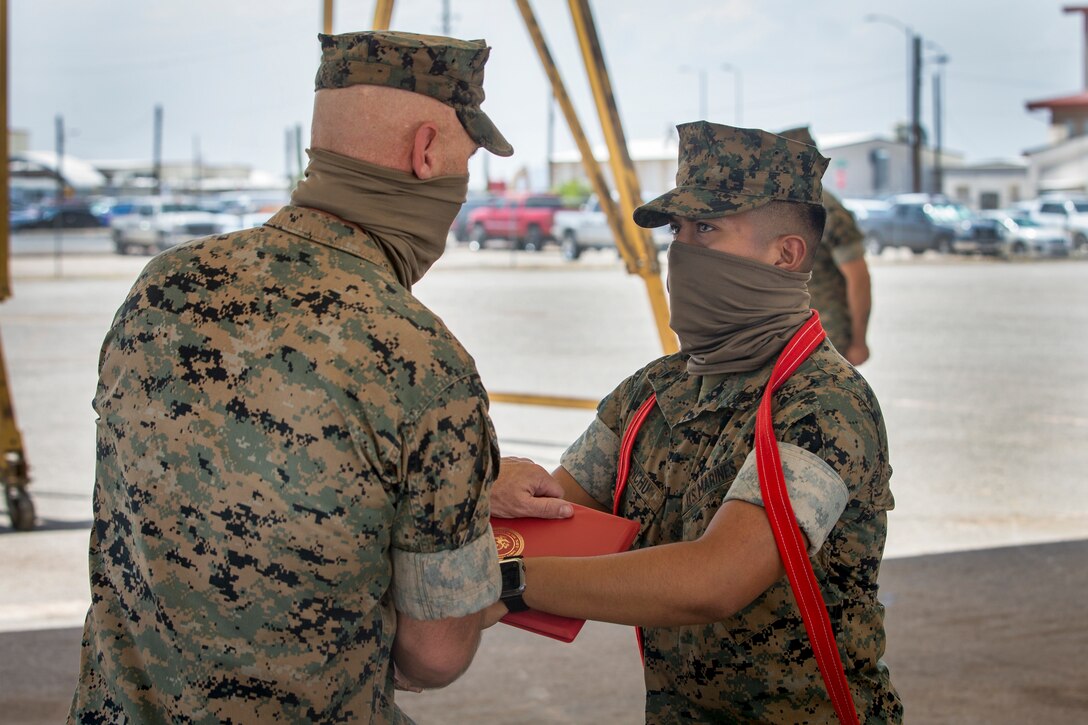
22 215
244 202
69 215
980 235
1023 236
106 208
862 209
588 228
155 223
460 227
1068 212
526 219
919 222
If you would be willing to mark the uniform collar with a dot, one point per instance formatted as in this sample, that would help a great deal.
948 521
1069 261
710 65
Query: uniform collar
682 397
331 231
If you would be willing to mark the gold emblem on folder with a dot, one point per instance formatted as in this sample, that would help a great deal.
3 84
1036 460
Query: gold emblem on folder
509 542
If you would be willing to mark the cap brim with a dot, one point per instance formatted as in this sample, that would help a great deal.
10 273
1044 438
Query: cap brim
481 129
692 202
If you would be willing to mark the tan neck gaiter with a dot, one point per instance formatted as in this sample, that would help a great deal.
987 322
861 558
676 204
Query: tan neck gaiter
732 314
408 217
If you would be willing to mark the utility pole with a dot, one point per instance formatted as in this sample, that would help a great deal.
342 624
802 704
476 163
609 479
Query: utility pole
700 73
198 167
298 150
446 17
914 93
156 151
1083 10
58 213
288 153
551 141
915 114
938 172
737 92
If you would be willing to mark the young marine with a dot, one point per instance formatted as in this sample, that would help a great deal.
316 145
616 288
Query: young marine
723 638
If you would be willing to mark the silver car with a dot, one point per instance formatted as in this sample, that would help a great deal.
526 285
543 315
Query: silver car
1024 236
155 224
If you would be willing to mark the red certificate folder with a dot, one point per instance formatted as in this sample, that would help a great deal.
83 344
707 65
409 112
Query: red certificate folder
587 533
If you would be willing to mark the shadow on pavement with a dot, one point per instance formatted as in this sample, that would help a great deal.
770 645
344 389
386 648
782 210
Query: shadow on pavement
42 525
988 636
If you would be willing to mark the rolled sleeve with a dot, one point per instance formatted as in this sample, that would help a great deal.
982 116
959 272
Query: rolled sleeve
817 494
444 558
591 461
848 253
451 583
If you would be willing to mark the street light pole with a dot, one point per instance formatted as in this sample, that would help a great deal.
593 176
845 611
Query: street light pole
916 114
914 92
738 95
938 116
703 93
701 73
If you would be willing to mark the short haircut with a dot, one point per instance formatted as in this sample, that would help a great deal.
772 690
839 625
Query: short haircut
791 217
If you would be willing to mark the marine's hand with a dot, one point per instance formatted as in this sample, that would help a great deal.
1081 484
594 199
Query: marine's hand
400 682
493 614
856 354
524 488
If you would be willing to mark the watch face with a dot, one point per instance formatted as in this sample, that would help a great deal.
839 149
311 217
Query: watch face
511 575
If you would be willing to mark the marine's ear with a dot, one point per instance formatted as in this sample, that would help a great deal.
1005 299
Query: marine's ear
425 150
792 252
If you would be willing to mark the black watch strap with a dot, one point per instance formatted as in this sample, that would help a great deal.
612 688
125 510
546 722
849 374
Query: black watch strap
513 584
515 603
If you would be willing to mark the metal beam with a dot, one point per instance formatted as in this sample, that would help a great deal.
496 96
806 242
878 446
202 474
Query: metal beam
5 201
383 14
623 170
14 474
593 170
551 401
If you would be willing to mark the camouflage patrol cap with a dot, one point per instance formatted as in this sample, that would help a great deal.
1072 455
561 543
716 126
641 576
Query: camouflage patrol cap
727 170
447 69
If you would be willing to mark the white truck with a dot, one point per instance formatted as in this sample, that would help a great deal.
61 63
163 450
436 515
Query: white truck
587 228
1068 212
155 224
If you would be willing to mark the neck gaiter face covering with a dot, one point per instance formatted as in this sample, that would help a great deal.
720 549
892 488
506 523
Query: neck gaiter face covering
732 314
408 217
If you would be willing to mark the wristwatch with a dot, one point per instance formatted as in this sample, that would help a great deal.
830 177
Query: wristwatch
513 583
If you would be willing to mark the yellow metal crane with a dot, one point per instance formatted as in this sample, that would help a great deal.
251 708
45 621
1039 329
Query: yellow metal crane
13 467
633 242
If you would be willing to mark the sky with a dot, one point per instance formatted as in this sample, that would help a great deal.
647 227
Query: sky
233 76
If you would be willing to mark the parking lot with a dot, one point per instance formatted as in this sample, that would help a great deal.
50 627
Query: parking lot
979 367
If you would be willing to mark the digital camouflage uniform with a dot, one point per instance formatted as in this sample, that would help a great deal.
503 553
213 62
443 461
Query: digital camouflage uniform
841 243
282 428
757 665
694 453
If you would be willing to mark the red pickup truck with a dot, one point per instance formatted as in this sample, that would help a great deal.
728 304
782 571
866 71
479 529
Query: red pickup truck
524 218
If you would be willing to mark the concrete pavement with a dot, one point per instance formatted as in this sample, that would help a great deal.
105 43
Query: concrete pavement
984 579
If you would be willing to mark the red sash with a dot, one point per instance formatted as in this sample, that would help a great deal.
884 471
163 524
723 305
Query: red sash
776 502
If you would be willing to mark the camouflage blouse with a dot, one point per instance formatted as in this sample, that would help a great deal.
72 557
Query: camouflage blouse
291 447
758 664
841 243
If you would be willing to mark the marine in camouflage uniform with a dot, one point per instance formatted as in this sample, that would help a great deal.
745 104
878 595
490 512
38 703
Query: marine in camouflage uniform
689 459
292 450
842 243
694 453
